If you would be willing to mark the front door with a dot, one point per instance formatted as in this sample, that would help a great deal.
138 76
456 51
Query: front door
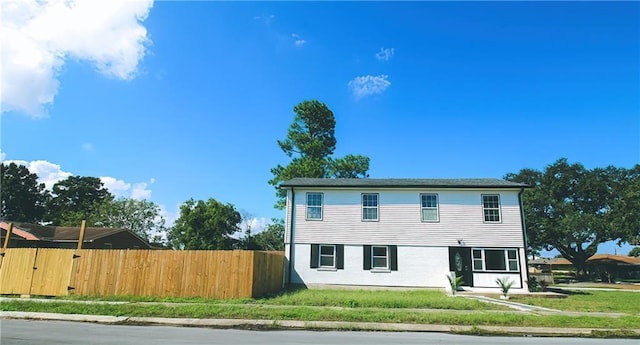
460 262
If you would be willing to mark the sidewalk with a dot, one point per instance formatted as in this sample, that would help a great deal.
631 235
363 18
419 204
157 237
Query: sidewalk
309 325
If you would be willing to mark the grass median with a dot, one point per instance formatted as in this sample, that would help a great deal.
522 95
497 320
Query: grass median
589 301
418 307
308 313
425 299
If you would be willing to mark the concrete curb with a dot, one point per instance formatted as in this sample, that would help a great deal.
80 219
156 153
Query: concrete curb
62 317
55 300
309 325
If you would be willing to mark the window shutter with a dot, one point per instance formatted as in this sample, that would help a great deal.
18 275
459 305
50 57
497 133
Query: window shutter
315 255
393 258
367 258
340 256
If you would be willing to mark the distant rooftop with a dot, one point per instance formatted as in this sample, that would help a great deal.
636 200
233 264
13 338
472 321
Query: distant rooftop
62 233
403 183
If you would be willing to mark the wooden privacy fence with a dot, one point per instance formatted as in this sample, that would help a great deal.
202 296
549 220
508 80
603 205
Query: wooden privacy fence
162 273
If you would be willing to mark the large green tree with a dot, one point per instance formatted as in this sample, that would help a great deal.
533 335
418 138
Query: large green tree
142 217
572 209
625 213
271 238
21 196
205 225
76 198
531 200
310 143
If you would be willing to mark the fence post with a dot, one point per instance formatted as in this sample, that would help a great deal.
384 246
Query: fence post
6 242
82 229
75 265
6 239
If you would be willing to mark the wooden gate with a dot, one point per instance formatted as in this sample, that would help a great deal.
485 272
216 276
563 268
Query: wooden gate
52 272
36 271
16 272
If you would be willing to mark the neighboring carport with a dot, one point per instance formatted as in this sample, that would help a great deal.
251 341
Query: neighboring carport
610 267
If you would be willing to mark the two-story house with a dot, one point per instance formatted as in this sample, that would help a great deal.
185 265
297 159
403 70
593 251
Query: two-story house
405 232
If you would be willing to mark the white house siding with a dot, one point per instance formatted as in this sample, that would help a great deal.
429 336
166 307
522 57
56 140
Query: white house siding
417 267
481 280
460 218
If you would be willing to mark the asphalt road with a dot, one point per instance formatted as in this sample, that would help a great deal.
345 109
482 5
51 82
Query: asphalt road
13 332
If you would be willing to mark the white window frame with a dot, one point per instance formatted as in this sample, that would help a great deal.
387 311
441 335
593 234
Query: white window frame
423 208
321 206
386 257
507 260
377 207
484 209
515 260
332 256
480 259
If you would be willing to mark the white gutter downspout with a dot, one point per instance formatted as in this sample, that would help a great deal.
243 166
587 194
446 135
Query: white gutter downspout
524 237
291 220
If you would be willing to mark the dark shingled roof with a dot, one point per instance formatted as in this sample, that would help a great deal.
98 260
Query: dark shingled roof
403 183
67 233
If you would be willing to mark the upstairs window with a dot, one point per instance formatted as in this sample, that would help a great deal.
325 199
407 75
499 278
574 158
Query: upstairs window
491 208
314 206
429 207
369 207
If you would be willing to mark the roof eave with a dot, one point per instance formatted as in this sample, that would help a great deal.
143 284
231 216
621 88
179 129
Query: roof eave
288 186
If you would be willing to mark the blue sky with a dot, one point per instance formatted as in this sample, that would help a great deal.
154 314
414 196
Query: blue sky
178 100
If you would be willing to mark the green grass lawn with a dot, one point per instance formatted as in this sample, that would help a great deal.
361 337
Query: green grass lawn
589 301
429 299
426 299
327 314
363 306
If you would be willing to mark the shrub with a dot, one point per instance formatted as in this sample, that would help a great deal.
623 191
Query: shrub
505 284
544 285
455 282
534 286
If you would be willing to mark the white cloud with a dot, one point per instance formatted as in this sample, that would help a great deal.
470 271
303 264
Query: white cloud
38 37
2 156
259 224
140 191
265 18
385 54
48 173
297 40
169 219
87 147
368 85
118 188
170 216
